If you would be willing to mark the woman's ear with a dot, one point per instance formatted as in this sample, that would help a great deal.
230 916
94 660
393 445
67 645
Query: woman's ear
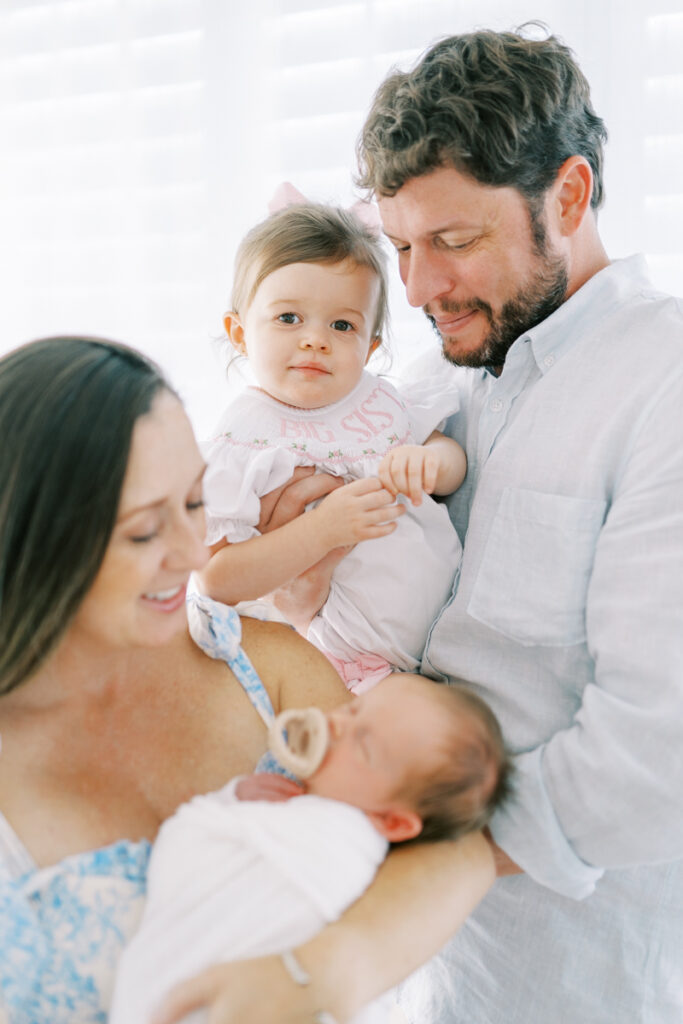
374 345
396 825
235 331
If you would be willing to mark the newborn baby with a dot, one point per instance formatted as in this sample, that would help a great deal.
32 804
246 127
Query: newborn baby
247 871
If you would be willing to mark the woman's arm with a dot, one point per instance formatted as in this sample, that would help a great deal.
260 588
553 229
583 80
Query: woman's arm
293 671
358 511
420 896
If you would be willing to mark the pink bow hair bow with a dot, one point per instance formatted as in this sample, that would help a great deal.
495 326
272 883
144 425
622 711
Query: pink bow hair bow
287 195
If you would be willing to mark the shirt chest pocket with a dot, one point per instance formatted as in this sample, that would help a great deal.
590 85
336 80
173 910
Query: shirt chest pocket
537 562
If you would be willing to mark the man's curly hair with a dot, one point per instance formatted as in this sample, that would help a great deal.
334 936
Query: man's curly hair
504 109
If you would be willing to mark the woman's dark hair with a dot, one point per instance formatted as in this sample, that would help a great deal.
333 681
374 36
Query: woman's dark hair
68 407
504 109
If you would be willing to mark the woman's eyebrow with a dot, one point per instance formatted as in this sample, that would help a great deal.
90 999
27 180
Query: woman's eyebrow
147 506
141 508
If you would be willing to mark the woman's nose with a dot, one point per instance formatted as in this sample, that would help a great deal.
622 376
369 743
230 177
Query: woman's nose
188 550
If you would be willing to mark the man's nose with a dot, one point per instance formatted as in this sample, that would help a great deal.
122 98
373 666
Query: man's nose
427 276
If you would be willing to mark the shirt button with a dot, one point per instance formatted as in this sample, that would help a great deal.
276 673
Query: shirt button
495 405
549 360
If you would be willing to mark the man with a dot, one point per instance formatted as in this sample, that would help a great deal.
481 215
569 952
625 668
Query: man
567 617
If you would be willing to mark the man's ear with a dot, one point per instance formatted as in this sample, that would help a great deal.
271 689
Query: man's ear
235 331
572 190
374 345
396 825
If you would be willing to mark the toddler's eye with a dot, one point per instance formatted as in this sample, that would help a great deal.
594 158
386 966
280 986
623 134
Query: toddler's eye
342 325
289 318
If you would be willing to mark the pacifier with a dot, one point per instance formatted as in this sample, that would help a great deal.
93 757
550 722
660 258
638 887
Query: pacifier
298 738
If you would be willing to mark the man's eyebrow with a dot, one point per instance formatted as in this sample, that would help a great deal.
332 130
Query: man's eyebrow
149 505
440 230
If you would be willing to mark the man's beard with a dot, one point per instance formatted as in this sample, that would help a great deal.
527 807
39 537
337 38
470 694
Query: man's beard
530 306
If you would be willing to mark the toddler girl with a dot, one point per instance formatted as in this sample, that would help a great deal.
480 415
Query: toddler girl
309 305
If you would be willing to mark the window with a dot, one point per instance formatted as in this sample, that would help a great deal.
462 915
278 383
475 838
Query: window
141 139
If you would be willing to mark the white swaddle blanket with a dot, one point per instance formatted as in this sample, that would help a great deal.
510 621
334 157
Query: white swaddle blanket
230 880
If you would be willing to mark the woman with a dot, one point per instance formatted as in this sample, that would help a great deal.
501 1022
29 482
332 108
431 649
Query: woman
110 717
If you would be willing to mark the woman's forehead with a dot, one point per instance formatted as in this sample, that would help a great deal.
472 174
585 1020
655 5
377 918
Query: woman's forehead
163 453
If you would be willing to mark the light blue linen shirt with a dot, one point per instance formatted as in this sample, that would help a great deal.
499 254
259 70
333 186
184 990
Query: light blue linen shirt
567 617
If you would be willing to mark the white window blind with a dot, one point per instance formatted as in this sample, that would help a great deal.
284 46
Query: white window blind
662 142
139 139
637 89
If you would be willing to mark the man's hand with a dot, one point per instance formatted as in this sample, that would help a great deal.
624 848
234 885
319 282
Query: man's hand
290 500
302 599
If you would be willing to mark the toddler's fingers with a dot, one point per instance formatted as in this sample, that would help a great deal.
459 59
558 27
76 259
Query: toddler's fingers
377 516
414 477
430 473
381 499
380 530
367 485
384 474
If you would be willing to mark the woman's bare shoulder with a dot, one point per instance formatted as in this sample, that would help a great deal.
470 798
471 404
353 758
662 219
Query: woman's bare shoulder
293 671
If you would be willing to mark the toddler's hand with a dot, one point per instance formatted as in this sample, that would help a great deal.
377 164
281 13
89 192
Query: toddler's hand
361 510
267 786
410 469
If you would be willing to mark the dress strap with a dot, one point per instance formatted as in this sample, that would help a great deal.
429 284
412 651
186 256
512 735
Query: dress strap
217 630
15 860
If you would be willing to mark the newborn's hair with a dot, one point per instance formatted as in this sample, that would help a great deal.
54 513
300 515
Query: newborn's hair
472 776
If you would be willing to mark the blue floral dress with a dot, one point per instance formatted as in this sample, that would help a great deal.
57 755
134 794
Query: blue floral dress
62 928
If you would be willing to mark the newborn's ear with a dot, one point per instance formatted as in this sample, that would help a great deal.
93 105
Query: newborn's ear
396 825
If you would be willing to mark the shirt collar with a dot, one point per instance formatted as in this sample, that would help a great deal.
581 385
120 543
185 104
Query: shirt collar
596 299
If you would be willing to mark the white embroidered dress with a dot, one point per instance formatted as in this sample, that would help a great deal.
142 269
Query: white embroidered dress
387 592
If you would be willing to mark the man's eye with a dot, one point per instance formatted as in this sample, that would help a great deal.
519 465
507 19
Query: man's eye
342 325
289 318
457 246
